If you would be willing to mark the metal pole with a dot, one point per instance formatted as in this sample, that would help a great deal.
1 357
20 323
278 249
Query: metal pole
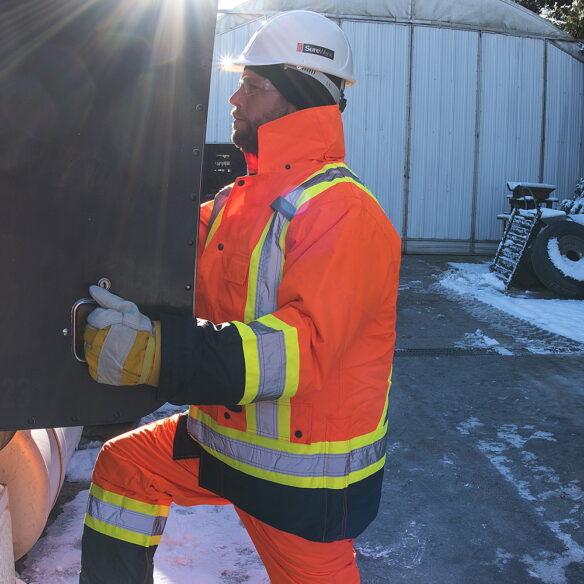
407 163
475 180
543 114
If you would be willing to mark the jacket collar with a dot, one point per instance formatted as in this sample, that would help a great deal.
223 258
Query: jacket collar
309 135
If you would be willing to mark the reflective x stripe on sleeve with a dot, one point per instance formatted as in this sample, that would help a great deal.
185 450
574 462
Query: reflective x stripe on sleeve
125 518
271 354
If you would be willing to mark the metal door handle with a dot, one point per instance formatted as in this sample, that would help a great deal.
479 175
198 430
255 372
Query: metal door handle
79 312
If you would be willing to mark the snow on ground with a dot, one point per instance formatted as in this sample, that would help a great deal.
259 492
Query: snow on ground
560 317
82 462
200 545
205 541
517 453
479 340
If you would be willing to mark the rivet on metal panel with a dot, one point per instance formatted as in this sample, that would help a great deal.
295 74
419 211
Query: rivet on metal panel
31 420
190 242
200 107
193 196
104 283
75 418
188 287
65 332
197 151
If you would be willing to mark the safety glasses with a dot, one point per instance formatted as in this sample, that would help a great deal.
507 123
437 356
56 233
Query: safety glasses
254 86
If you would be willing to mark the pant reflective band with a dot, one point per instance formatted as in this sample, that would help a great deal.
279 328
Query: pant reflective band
119 518
316 465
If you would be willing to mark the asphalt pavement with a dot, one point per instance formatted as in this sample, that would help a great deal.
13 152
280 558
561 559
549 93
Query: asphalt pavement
485 474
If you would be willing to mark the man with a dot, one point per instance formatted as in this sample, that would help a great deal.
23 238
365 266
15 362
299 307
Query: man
290 393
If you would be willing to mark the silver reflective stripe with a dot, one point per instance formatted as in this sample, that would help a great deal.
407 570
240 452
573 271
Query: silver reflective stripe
328 175
271 345
272 361
114 352
287 463
219 202
267 419
270 269
271 256
125 518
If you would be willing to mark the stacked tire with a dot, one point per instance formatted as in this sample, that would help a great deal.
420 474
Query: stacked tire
557 258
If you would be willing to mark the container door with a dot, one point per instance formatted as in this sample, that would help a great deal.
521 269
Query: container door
102 125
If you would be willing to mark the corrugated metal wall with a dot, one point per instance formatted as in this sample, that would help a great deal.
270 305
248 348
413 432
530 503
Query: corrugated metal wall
511 111
443 134
438 150
564 121
376 137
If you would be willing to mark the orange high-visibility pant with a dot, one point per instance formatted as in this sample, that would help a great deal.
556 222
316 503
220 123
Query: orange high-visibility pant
136 473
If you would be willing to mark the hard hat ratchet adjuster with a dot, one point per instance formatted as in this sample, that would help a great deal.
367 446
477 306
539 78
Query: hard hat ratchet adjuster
337 94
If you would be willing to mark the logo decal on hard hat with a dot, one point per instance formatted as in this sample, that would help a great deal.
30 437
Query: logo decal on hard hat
315 50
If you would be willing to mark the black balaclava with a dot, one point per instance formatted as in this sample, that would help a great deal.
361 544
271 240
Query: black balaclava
301 90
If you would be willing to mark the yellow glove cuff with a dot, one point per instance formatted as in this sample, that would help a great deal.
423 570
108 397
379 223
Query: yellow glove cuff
142 364
152 357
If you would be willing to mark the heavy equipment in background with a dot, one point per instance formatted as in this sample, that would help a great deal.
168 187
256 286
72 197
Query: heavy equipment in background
102 127
541 245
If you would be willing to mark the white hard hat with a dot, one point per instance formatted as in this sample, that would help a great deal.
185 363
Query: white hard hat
306 40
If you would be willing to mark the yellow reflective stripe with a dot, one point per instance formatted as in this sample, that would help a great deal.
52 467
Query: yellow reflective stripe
120 533
148 357
312 192
254 263
324 168
292 353
251 420
214 227
282 242
284 411
337 447
386 406
128 503
321 482
252 362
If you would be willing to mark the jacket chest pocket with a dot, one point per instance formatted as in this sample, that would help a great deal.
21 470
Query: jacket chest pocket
235 267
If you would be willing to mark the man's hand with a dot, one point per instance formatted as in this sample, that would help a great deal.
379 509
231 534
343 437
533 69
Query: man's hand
122 346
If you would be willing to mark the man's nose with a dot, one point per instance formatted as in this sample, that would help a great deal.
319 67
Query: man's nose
237 97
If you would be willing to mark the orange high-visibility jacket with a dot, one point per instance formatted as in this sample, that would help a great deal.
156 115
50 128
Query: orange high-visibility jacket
300 260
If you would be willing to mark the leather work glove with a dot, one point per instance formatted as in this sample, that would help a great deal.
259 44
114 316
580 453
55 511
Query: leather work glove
122 346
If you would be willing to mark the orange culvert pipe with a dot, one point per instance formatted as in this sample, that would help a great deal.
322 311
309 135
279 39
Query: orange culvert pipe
32 467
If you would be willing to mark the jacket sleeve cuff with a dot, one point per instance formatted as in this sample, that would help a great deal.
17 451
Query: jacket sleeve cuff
202 363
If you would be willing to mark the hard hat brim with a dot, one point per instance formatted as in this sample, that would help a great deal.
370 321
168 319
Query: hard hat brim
240 63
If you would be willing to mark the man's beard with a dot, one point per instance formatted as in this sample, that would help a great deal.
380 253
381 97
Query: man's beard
246 139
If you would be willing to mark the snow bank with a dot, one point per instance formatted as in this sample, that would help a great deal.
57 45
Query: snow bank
560 317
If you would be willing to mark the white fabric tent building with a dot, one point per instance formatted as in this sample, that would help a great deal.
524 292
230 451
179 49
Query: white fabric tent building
454 98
